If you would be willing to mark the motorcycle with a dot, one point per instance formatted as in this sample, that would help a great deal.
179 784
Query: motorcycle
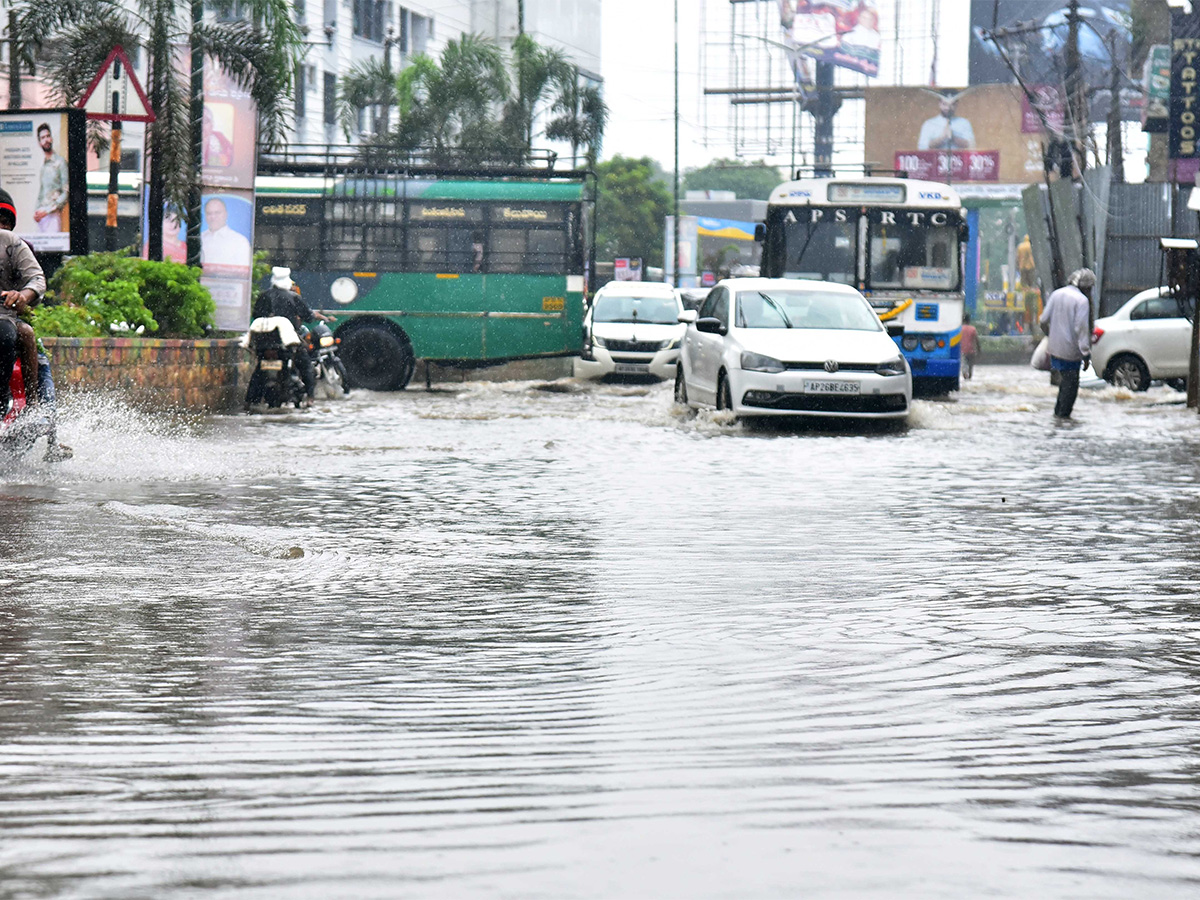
276 378
21 426
322 349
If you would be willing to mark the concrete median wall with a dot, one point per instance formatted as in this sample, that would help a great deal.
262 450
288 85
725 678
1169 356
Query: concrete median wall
201 375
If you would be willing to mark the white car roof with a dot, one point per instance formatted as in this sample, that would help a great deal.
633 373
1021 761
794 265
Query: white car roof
788 284
638 289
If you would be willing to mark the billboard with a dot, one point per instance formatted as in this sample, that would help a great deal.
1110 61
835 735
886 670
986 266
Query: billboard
43 165
842 32
1038 51
957 135
1183 131
230 132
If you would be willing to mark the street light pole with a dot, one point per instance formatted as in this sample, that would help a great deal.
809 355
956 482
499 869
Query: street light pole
675 218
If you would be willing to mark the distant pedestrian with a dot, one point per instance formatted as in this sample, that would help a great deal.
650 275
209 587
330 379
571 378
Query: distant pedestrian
1067 321
969 347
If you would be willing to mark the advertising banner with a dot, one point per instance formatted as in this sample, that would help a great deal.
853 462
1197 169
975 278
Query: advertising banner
1046 112
842 32
1156 80
972 135
43 165
626 269
230 130
1184 106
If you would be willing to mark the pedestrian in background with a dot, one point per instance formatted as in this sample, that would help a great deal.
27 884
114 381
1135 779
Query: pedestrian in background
1066 320
968 347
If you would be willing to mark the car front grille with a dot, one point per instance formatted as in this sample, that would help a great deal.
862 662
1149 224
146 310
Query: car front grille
831 403
842 367
633 346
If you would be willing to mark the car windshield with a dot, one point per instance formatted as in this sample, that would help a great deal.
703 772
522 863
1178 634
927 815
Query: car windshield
804 309
650 310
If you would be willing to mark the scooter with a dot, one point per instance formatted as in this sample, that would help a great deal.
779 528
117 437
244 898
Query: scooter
322 349
21 425
276 379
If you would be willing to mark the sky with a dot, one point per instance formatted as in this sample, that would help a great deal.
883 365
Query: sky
638 61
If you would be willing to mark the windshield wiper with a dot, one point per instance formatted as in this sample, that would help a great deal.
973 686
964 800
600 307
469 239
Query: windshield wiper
779 309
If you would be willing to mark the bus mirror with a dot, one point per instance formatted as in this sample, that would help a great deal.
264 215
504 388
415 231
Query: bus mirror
895 330
760 232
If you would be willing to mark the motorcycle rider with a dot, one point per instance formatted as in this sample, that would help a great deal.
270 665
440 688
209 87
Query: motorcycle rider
21 266
280 300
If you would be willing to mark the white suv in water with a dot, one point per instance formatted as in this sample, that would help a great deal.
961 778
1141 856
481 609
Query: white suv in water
631 328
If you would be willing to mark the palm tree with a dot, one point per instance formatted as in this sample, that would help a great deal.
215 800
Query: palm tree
447 107
71 38
580 115
370 82
536 71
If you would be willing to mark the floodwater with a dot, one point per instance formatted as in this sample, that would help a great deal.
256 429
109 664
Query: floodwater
547 641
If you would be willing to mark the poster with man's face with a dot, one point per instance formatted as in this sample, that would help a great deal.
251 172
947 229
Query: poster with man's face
37 150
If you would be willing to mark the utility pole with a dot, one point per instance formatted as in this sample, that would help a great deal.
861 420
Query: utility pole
1077 107
824 107
1116 148
675 223
520 17
14 64
196 116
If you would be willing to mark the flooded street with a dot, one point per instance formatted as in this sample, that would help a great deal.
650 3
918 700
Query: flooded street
563 640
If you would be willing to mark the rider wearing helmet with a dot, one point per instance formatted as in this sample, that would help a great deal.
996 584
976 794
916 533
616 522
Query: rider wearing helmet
22 284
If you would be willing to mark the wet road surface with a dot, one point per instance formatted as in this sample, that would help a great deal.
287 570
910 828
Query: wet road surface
564 640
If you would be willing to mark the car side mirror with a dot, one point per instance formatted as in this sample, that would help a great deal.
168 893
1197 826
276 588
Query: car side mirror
688 316
710 325
760 232
895 330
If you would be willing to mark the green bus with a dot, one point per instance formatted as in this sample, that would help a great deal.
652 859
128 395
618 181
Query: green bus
454 267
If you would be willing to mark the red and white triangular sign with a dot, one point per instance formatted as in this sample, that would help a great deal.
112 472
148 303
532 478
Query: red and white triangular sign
115 94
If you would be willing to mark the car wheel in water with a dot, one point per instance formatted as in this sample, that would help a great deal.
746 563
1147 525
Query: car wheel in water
724 394
377 359
1128 371
681 396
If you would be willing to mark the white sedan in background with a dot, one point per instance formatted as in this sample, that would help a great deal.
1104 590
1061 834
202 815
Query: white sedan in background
1147 339
631 328
773 346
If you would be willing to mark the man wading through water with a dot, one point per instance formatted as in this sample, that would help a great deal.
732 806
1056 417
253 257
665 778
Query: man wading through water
1067 321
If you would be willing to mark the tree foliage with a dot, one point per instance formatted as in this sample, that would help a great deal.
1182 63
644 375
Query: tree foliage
474 103
749 180
68 40
630 209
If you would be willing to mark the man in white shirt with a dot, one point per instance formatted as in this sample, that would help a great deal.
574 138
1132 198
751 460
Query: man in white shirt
1066 318
946 131
220 245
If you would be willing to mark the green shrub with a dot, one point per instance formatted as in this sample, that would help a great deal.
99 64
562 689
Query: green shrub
64 321
121 290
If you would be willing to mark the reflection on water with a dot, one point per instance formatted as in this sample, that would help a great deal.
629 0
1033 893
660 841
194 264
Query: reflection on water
558 640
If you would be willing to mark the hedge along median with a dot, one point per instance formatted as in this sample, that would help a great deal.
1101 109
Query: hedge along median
100 323
193 374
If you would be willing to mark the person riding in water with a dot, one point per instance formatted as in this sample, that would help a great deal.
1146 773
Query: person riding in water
19 265
280 299
22 284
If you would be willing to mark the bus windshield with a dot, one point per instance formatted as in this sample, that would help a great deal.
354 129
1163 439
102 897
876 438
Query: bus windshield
822 251
648 310
913 257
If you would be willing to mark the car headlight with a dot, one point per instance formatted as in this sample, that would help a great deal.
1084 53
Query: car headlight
891 367
669 345
756 362
598 341
928 344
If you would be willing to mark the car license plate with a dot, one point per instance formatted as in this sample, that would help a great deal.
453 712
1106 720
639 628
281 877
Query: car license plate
630 369
271 365
831 387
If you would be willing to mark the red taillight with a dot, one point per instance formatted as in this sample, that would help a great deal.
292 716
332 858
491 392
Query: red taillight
1097 333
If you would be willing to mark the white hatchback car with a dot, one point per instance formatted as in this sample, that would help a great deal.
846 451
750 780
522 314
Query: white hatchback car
774 346
1147 339
631 328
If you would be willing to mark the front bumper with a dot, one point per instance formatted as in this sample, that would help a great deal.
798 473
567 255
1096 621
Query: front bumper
785 394
659 365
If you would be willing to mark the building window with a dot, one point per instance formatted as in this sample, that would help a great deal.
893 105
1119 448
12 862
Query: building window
330 98
421 33
369 20
404 23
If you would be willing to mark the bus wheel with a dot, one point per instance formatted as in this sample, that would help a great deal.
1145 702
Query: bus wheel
377 359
